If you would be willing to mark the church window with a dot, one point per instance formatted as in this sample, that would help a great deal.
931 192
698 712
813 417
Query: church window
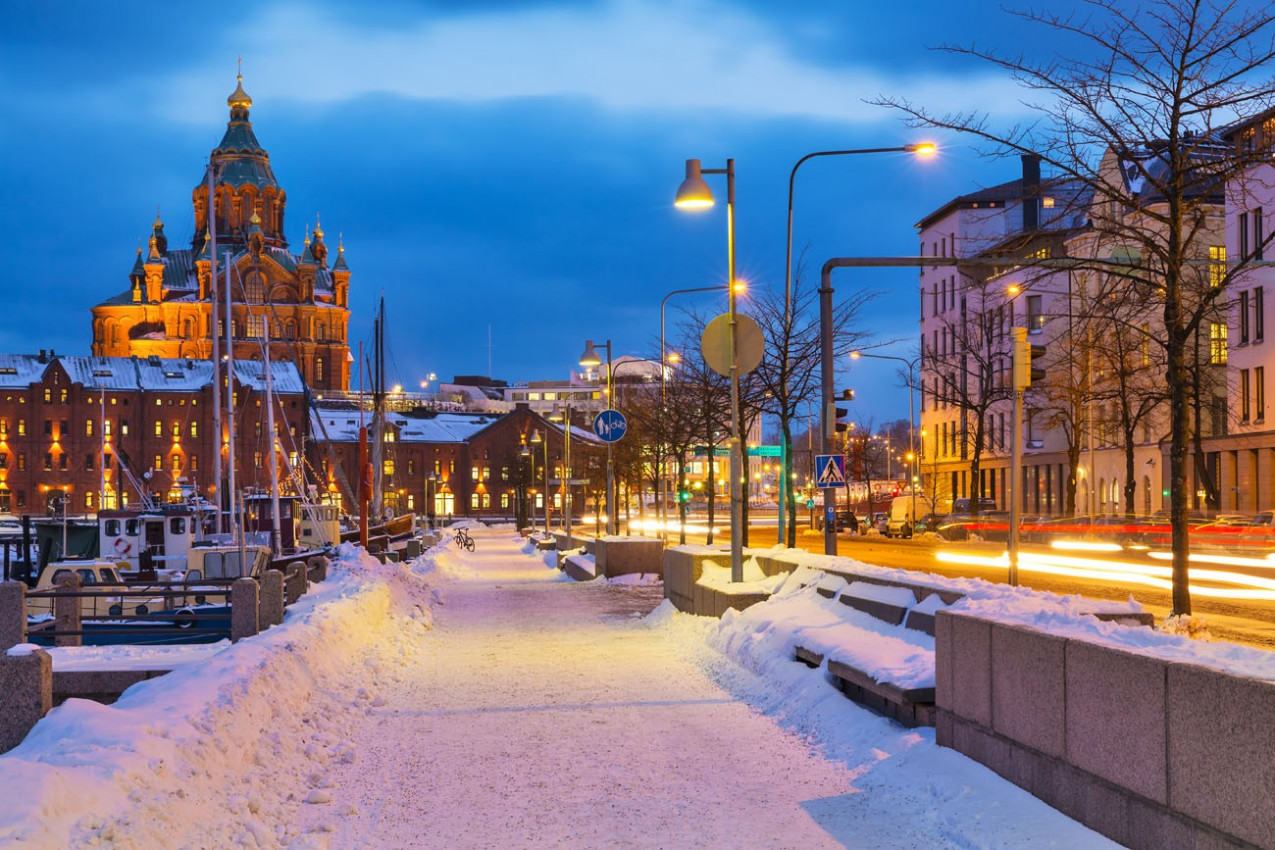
254 288
318 369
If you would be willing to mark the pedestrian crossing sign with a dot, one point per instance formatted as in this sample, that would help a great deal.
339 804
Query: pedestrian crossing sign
830 470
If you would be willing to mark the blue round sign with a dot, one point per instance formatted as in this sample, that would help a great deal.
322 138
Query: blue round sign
610 425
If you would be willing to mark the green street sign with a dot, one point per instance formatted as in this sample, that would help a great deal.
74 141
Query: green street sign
810 503
764 451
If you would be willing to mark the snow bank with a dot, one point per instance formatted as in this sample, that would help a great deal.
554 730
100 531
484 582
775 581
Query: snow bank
224 723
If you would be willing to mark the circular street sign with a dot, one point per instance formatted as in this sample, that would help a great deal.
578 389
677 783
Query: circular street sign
610 425
715 344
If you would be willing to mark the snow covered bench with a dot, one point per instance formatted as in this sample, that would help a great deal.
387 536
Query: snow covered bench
888 622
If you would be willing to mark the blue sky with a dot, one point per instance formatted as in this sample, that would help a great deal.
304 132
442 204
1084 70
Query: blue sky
491 165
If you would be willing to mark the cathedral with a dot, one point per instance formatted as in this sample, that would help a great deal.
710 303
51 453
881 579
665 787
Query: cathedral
298 306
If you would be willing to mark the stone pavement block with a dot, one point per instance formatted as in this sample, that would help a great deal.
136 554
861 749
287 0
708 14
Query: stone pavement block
272 599
943 651
27 694
13 614
970 668
629 556
1115 704
1027 688
244 609
1221 751
1107 810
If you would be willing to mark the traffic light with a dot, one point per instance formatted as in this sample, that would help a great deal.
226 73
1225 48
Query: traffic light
840 413
847 395
683 496
1025 374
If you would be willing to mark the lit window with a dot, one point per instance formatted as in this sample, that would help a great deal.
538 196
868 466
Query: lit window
1217 344
1217 264
387 466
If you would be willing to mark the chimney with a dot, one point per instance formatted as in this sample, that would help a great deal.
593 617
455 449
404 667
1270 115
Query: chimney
1031 192
44 356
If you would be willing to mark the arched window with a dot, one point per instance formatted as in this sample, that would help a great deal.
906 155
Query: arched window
290 329
254 288
318 370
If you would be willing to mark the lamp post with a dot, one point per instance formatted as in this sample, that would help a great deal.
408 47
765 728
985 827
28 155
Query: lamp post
536 439
590 360
921 149
565 417
694 194
911 364
431 481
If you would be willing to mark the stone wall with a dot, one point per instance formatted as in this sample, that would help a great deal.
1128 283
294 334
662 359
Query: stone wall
629 555
1151 753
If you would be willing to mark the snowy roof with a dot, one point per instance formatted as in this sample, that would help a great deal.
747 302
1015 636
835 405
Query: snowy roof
342 425
150 374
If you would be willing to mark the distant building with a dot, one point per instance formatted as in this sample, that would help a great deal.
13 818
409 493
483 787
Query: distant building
301 301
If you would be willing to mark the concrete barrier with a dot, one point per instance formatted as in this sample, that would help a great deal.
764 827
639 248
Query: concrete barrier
1149 752
244 609
617 556
27 694
272 599
13 614
66 610
317 568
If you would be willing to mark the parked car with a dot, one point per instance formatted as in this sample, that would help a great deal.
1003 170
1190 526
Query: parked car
845 521
965 506
880 521
929 522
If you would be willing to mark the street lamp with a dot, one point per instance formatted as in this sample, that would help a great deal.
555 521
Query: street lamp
537 439
921 149
911 364
590 360
564 416
431 483
694 194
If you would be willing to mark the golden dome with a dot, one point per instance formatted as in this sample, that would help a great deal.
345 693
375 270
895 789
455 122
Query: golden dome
239 97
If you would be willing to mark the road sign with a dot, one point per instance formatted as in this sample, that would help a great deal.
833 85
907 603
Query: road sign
810 503
610 425
571 482
830 470
715 344
764 451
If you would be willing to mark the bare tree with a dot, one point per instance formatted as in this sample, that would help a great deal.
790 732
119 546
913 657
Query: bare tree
788 376
1139 115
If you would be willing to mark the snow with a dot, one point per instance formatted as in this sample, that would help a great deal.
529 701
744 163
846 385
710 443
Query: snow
476 700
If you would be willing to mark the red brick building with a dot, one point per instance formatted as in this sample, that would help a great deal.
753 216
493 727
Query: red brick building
76 427
476 460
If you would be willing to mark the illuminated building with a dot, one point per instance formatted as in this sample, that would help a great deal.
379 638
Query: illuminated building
166 311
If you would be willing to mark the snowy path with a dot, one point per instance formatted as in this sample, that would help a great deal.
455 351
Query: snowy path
480 701
542 715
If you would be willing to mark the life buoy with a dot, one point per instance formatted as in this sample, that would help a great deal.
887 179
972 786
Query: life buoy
122 546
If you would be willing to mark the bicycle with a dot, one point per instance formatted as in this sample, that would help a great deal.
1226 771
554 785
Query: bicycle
463 540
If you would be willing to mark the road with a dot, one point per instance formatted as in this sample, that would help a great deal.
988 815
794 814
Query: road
1250 622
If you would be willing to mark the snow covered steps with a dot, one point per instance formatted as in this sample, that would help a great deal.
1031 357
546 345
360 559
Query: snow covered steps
889 622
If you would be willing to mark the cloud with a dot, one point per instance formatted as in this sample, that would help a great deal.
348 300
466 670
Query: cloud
623 56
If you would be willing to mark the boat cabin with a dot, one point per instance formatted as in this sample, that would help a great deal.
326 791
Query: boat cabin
150 540
100 575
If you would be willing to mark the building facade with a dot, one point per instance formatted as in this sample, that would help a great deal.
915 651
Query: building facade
284 306
102 431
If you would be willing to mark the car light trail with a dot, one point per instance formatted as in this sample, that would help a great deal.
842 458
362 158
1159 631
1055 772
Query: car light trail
1224 584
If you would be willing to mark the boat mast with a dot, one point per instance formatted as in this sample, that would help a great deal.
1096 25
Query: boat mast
378 415
216 348
233 523
276 535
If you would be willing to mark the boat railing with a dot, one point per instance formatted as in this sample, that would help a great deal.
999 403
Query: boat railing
177 611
